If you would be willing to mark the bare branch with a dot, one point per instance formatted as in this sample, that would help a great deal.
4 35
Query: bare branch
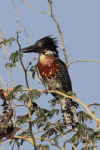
59 31
82 61
34 8
93 104
20 23
4 83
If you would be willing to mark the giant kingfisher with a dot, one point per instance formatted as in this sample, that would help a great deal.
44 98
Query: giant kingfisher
53 73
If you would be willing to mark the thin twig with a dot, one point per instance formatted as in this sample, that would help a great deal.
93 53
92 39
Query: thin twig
4 83
34 8
59 31
38 131
20 23
93 104
82 61
30 62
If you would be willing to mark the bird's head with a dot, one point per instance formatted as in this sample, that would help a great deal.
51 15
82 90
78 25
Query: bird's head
46 45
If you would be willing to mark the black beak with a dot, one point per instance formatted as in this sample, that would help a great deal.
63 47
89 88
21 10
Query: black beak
31 49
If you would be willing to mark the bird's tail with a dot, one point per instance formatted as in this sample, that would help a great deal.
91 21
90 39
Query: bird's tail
69 114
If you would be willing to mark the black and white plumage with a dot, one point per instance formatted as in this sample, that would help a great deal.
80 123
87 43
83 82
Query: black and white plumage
54 75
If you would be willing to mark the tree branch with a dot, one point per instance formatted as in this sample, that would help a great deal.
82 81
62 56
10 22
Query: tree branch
82 61
29 106
59 31
20 23
76 99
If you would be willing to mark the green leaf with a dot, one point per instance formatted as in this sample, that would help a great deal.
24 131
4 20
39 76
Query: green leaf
7 65
43 147
22 121
56 139
14 91
33 69
4 41
83 116
14 57
64 145
23 98
34 94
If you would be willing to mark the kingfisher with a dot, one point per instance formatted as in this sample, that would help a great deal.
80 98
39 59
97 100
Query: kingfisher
53 73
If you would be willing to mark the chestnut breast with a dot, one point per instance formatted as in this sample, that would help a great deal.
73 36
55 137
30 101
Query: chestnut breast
47 66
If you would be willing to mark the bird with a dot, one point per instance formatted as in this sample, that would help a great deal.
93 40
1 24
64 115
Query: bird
53 73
